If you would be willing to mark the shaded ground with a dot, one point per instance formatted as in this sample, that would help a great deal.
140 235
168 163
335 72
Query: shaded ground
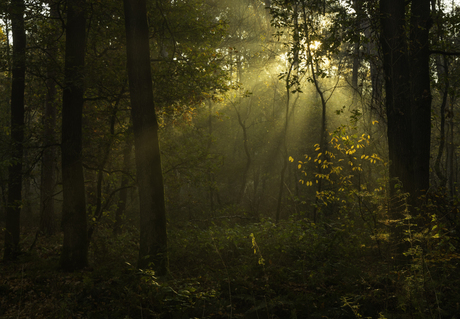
293 270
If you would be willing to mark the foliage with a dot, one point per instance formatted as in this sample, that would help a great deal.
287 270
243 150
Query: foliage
291 269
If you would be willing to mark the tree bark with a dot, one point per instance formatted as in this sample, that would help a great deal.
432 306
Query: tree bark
357 4
12 225
444 71
397 87
420 93
74 220
408 95
49 158
153 237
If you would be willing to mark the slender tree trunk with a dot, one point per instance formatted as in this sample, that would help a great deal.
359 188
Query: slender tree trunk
322 144
123 196
375 70
74 220
284 151
356 55
450 154
255 199
153 236
12 226
313 66
26 209
48 171
443 69
99 209
248 155
210 172
293 66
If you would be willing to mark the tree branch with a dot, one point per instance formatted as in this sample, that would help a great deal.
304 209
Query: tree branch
444 52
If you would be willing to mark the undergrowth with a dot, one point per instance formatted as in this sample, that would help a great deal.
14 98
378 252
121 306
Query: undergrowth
294 269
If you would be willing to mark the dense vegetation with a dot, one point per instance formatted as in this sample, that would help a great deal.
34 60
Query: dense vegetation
308 159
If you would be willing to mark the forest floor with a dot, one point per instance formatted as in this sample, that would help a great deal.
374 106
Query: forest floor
292 270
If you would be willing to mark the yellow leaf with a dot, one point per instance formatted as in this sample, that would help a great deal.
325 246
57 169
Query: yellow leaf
299 166
291 159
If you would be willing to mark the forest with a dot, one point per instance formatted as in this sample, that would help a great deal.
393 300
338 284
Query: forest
229 159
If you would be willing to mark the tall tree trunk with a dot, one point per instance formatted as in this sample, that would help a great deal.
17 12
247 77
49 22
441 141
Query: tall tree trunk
323 143
450 150
397 87
442 69
375 70
408 95
408 102
357 4
284 151
74 220
420 93
153 236
17 132
48 171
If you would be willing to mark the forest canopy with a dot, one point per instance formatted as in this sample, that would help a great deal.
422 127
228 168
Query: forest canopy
220 159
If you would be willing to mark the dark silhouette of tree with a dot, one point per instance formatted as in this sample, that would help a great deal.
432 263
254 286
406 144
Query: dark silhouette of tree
408 97
17 131
421 23
153 237
49 158
75 248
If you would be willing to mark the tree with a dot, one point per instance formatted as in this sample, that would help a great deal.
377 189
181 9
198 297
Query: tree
421 23
75 247
17 131
408 97
49 158
153 237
